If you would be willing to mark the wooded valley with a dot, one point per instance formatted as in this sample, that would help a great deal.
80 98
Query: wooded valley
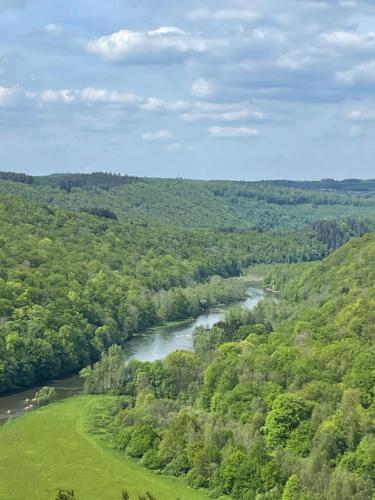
273 403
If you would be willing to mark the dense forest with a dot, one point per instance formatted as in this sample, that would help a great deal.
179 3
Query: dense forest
230 205
72 283
277 403
87 260
273 404
335 233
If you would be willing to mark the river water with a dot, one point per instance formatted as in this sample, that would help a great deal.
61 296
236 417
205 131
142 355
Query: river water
145 346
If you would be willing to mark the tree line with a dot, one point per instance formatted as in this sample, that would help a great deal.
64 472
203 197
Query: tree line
265 205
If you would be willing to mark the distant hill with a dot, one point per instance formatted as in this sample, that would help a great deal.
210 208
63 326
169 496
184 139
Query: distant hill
225 205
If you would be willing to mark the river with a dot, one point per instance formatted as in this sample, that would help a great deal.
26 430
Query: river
145 346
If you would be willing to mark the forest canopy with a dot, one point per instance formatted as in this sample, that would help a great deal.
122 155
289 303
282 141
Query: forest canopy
265 205
72 283
274 404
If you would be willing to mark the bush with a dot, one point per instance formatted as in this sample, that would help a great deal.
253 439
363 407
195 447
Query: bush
65 495
142 439
123 438
45 395
152 460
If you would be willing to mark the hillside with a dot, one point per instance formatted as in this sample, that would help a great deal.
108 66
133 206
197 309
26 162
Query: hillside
72 284
275 404
193 203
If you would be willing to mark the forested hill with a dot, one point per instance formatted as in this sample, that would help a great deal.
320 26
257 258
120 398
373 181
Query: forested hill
275 404
72 283
87 260
228 205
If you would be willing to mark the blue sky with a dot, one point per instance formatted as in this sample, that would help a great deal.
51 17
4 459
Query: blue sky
228 89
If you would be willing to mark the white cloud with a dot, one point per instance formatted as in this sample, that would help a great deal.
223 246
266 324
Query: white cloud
361 115
12 96
93 94
265 34
53 29
159 136
164 45
64 96
156 104
202 88
294 60
90 95
7 95
227 116
362 73
349 39
167 30
193 111
117 101
218 132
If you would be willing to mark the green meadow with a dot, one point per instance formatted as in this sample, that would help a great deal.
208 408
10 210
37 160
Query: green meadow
49 449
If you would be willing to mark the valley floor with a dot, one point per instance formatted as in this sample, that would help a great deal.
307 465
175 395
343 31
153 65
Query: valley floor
49 449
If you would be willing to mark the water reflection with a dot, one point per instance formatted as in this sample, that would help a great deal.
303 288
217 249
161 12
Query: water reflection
147 346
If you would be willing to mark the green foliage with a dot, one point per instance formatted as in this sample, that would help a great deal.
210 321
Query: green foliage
72 284
45 395
300 439
69 495
294 490
288 411
335 233
147 496
65 495
230 467
142 438
181 370
227 205
276 403
106 374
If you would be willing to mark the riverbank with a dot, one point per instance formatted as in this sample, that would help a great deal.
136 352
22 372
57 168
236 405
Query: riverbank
149 345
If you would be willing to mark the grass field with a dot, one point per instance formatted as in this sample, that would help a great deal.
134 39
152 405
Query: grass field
49 449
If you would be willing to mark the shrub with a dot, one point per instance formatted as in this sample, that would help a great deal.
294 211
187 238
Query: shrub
45 395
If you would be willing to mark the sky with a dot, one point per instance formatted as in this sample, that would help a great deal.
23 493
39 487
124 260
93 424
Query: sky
234 89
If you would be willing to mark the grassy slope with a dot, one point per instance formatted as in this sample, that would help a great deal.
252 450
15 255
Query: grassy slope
49 449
